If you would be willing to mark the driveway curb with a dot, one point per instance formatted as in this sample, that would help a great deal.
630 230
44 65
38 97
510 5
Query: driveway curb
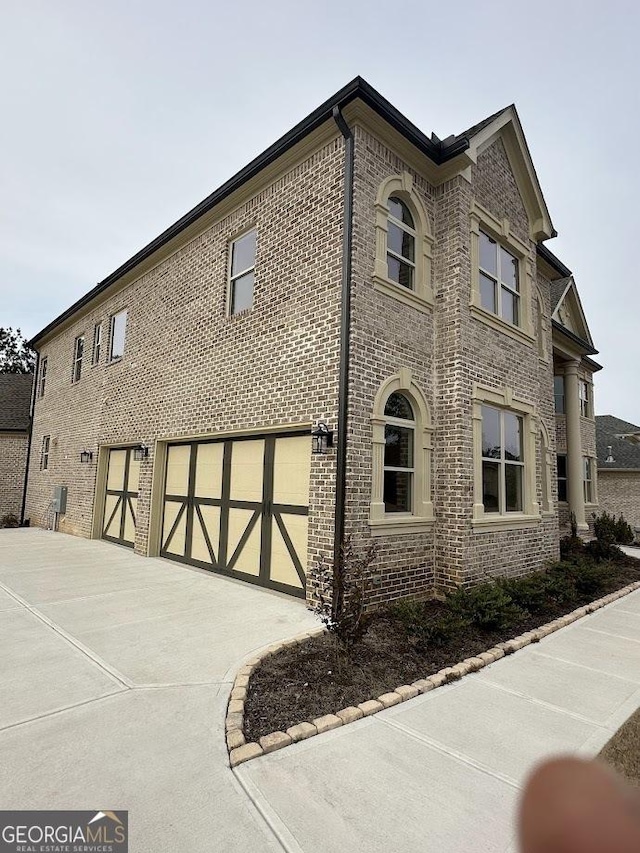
240 751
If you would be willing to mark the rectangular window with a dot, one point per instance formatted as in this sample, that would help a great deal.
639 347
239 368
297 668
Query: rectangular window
117 331
502 461
97 343
78 352
499 280
398 468
588 479
585 402
44 453
558 394
562 477
242 273
42 381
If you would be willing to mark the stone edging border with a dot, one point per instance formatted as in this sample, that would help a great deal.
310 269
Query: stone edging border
241 751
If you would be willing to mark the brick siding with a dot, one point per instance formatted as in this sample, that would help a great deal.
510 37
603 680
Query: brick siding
13 460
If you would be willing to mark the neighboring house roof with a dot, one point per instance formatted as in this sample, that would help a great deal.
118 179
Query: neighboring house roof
624 440
467 145
15 401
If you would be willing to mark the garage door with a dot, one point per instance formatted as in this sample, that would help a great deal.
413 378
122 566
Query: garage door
121 499
240 507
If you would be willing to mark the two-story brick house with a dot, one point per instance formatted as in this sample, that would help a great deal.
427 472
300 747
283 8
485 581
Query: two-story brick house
359 275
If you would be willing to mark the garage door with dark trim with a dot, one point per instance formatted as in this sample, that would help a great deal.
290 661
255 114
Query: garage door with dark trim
121 498
240 507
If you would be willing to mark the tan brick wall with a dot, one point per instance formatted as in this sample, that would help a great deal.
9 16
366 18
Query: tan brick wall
619 492
446 352
13 460
189 369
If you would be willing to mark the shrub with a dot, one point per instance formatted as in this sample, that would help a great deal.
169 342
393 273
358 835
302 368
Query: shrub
571 548
488 605
9 520
530 593
560 584
423 629
624 531
342 595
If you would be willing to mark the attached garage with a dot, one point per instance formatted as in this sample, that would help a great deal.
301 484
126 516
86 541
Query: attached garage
121 498
240 507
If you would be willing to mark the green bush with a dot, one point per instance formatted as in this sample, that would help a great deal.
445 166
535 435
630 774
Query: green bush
624 531
9 520
488 605
571 548
530 593
560 584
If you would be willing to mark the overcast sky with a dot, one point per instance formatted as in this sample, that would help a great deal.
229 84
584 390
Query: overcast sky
117 117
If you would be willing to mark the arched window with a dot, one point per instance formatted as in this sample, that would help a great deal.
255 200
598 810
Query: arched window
401 476
399 454
402 267
401 244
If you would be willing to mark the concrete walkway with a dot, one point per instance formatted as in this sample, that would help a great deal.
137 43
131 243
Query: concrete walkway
444 772
114 676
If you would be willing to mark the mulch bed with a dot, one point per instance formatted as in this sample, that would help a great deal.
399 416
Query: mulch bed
314 678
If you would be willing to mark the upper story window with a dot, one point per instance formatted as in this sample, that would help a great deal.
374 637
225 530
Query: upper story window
401 244
558 394
44 452
42 379
499 280
585 399
97 343
562 477
399 454
242 273
117 333
502 461
402 264
78 352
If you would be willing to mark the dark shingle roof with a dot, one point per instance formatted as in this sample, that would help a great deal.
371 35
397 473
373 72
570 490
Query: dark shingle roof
558 287
476 128
625 452
15 400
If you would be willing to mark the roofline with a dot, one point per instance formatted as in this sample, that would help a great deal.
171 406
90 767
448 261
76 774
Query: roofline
594 365
616 470
585 345
24 430
358 88
552 260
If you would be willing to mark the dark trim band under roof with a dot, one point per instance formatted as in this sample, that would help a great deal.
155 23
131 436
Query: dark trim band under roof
439 152
553 261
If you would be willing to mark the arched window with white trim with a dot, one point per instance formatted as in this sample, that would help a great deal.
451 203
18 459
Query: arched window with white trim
402 447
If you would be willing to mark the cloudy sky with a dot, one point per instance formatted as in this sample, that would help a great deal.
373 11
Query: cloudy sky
118 117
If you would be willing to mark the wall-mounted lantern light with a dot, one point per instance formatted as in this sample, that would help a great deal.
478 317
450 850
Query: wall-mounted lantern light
140 452
86 456
321 438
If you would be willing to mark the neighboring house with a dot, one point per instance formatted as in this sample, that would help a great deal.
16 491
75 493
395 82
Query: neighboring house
176 400
574 403
15 401
619 468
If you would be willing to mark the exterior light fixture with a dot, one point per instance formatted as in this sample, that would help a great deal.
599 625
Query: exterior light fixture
321 438
86 456
140 452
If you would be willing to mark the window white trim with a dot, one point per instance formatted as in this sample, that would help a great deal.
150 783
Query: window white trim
78 356
421 518
97 344
232 278
44 452
421 296
502 398
42 378
482 220
112 328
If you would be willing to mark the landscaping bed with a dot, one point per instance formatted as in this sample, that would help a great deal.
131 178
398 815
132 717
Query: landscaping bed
412 640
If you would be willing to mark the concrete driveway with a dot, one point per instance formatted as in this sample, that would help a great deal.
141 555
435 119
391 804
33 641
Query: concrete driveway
114 676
